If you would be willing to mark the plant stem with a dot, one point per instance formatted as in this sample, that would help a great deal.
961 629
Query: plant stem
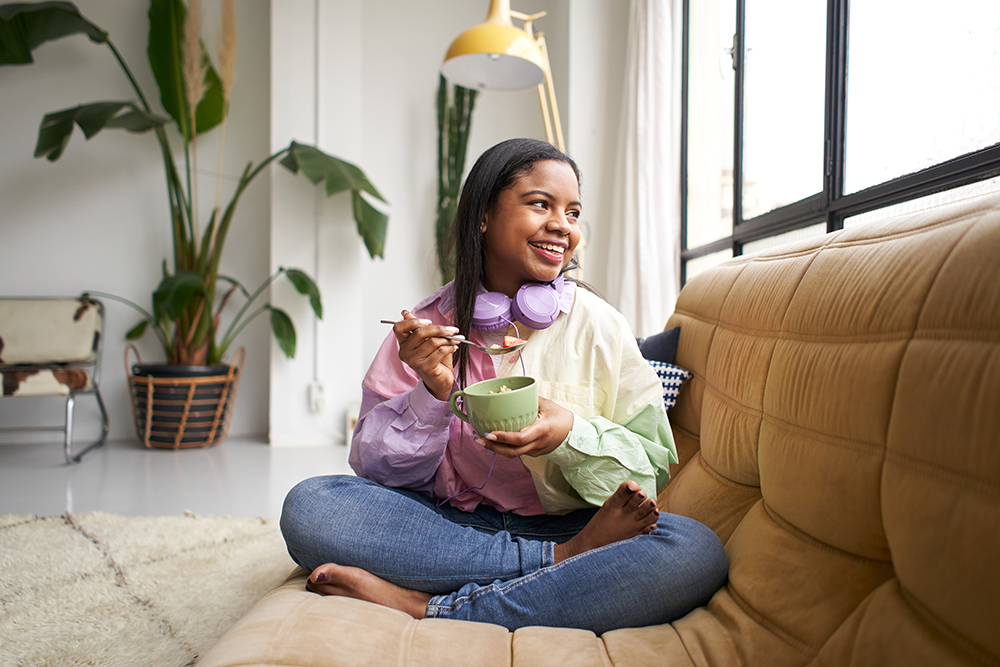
231 334
146 314
175 192
229 338
128 73
192 204
218 177
222 226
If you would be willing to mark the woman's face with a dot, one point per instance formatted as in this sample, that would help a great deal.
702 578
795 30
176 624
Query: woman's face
531 233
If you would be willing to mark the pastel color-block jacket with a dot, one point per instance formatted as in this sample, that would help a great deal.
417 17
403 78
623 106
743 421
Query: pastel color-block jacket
587 361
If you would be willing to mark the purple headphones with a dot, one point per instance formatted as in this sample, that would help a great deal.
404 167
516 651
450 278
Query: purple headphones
537 305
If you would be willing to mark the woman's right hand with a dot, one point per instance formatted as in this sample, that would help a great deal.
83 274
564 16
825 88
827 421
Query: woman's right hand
423 348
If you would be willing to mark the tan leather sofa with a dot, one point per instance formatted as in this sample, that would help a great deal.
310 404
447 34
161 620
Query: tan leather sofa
841 434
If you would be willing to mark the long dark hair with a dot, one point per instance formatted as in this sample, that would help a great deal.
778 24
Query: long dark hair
496 170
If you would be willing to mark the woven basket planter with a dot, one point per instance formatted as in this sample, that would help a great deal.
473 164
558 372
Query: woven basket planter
182 407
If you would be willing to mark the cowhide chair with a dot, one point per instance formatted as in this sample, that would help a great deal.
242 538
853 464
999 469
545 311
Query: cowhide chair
52 347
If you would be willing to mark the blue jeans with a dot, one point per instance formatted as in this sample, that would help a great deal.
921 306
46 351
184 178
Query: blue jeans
498 567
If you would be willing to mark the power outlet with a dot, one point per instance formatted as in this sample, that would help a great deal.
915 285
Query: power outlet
316 396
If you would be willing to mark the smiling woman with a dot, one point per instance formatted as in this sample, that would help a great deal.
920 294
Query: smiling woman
540 229
575 488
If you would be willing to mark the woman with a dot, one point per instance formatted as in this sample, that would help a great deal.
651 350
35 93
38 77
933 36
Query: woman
562 527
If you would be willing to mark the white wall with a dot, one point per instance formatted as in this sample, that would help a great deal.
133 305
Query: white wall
370 101
596 59
98 218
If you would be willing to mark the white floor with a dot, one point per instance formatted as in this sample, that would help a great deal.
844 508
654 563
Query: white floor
240 477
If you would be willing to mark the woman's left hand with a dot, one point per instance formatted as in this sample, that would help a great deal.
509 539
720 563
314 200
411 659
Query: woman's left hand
543 436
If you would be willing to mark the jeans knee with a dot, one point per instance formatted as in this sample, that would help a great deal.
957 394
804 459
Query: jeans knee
308 510
711 553
702 546
322 496
296 499
302 501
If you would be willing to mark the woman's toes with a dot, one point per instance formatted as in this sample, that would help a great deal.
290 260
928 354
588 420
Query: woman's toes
624 494
647 510
636 501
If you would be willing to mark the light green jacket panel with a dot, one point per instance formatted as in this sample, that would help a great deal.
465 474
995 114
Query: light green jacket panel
593 367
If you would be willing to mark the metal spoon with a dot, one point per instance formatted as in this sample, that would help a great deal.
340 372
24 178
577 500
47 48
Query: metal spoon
488 350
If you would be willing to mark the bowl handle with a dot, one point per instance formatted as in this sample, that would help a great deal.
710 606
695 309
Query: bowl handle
457 410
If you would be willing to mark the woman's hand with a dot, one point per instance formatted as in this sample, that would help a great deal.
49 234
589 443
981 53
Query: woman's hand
543 436
423 348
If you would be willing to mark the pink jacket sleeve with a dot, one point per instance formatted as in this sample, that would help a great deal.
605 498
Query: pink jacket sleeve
400 441
403 430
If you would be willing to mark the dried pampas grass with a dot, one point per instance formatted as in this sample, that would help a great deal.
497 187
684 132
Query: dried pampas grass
227 48
195 66
195 69
227 74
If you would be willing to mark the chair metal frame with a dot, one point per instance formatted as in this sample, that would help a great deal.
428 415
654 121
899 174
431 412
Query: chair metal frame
95 368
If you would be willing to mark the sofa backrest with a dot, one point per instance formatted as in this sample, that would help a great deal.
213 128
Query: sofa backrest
841 434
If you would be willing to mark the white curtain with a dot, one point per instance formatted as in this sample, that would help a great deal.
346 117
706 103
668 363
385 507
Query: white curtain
644 251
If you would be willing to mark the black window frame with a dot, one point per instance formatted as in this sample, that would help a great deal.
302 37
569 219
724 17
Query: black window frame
830 205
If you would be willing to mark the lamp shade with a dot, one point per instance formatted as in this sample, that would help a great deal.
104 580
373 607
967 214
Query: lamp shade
494 55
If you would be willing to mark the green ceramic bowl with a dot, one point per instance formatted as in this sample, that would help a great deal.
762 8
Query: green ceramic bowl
500 404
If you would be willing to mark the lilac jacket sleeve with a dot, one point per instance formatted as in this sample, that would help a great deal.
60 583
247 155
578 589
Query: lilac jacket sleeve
400 441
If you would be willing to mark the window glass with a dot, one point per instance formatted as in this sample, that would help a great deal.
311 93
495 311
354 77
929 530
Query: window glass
705 262
965 193
923 85
783 116
711 91
783 238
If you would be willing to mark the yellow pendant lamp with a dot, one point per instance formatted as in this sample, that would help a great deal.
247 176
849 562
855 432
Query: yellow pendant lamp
495 55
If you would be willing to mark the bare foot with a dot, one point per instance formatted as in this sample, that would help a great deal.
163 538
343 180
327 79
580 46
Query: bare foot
353 582
625 514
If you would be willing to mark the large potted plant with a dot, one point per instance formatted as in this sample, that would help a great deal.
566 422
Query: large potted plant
186 311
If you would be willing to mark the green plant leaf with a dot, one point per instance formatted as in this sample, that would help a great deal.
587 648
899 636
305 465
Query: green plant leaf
318 166
136 120
57 127
137 330
175 292
372 224
305 285
25 26
340 176
284 331
166 44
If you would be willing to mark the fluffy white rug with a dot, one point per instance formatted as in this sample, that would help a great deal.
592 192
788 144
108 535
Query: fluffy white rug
102 589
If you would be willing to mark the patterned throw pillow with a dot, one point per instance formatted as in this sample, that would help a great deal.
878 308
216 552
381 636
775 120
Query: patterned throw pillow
672 377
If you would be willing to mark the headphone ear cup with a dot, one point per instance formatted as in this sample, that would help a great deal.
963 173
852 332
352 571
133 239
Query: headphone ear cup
536 305
492 311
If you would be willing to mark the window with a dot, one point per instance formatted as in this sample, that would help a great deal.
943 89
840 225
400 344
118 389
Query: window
801 114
